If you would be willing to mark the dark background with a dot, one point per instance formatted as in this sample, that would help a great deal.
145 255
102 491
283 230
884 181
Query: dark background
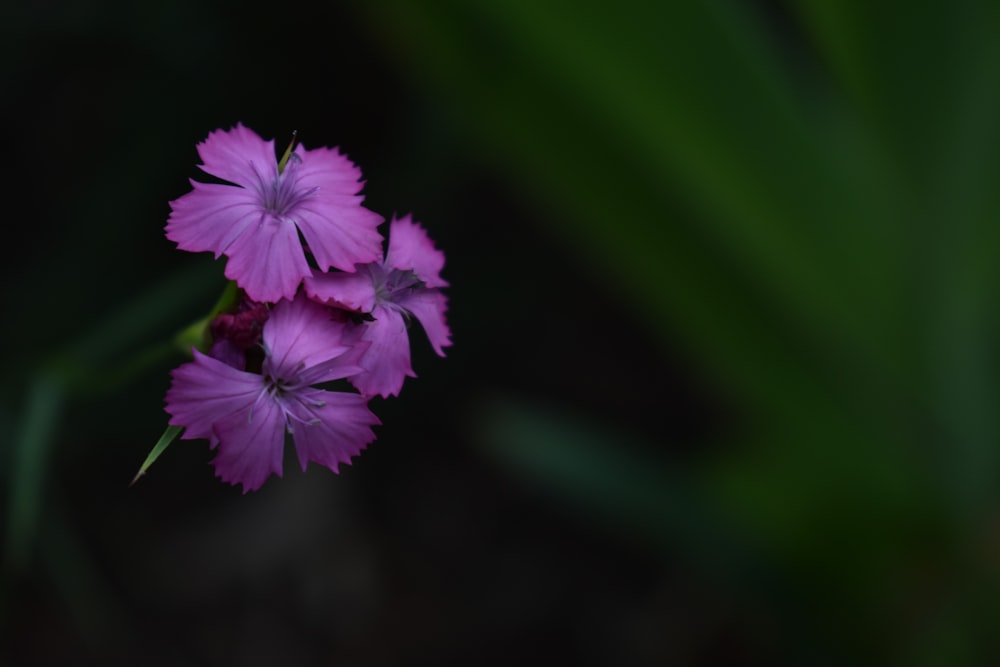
724 307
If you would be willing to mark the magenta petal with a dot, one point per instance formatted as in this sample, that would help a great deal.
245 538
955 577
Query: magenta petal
267 260
339 231
300 334
211 216
251 444
350 291
329 170
429 307
410 249
342 366
239 156
205 390
387 361
331 427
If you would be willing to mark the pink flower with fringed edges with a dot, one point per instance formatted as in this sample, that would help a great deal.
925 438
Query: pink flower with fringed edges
245 415
406 284
257 219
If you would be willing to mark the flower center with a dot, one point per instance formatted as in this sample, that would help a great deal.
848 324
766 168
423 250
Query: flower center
289 396
281 193
277 386
392 284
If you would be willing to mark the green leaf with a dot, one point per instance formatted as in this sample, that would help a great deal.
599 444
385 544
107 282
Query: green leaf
133 332
601 471
169 435
32 448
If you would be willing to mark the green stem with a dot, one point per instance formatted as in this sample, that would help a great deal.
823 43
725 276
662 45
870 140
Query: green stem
196 335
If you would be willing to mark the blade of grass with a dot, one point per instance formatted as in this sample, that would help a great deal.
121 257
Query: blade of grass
169 435
31 452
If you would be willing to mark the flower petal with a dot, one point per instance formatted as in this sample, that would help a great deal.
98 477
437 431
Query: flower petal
211 217
300 334
387 361
238 155
251 444
339 231
206 390
334 427
342 366
429 306
329 170
410 249
267 260
350 291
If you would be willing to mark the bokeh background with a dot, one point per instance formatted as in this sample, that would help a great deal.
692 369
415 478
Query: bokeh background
724 299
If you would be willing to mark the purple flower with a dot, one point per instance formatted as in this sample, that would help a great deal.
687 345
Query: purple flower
404 285
256 221
245 415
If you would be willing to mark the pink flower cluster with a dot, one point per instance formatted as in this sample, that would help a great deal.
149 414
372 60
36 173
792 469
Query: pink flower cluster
319 303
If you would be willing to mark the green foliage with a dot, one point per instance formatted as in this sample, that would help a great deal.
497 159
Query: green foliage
806 199
100 361
169 435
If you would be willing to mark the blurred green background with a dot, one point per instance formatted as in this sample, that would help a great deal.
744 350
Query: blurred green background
725 309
